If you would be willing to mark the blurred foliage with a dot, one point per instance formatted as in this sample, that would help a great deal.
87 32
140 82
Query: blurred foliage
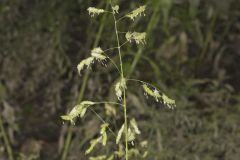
192 54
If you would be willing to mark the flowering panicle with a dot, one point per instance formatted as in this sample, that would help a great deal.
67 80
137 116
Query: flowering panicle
129 129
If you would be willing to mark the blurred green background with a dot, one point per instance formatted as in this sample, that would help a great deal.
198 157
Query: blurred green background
192 54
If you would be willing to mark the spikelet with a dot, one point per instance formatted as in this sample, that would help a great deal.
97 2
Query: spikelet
137 12
104 133
78 110
170 103
93 143
120 86
136 36
154 93
118 90
115 9
134 125
102 139
97 53
86 62
148 90
94 11
119 135
131 135
73 113
144 144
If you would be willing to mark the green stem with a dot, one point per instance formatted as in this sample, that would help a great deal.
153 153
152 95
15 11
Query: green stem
6 141
124 90
107 102
125 124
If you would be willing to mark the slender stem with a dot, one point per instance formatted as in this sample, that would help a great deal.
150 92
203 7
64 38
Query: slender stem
110 49
119 47
125 16
137 80
121 18
125 124
103 121
116 47
115 65
124 43
6 141
107 102
124 90
112 61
